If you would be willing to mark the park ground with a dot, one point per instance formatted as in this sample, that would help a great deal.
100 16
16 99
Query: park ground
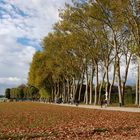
27 120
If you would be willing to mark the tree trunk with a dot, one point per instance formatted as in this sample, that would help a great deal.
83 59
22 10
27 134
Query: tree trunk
96 87
91 86
139 80
64 91
52 95
137 86
76 88
68 92
125 77
73 87
80 89
55 89
86 92
107 83
119 82
58 89
112 83
117 67
100 90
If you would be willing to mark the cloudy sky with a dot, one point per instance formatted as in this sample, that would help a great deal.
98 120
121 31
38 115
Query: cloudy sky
23 24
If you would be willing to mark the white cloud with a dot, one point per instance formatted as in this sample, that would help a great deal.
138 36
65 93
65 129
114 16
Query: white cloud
14 58
39 16
32 19
12 80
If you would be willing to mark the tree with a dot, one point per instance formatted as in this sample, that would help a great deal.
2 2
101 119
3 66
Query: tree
34 92
7 93
91 38
20 91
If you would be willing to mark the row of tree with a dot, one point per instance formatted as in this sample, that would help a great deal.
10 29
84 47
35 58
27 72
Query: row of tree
90 45
22 92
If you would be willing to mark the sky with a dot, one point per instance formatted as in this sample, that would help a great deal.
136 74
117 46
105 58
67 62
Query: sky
23 24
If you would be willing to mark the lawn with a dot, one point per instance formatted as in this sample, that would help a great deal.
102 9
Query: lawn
26 120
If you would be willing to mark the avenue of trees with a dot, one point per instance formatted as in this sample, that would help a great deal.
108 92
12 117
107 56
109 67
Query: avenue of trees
83 57
92 41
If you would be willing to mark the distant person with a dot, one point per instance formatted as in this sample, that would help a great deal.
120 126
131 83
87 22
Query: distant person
77 102
105 102
120 104
102 102
71 101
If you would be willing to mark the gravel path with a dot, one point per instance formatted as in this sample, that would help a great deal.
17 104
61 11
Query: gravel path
125 109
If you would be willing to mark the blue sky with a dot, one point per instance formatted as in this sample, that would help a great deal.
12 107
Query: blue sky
23 24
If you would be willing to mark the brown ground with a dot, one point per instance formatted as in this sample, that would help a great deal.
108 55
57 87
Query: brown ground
42 121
